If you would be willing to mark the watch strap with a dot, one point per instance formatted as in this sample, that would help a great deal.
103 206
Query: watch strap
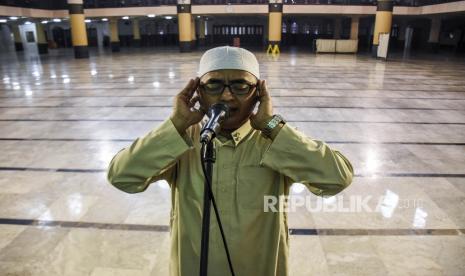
273 123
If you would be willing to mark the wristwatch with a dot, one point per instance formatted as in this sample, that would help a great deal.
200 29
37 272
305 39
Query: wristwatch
273 123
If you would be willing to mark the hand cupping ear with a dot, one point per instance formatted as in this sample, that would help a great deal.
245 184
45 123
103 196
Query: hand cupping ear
184 113
265 107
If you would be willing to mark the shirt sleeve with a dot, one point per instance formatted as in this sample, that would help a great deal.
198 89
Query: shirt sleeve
148 159
324 171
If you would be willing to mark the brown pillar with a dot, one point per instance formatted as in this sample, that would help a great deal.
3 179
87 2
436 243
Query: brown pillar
434 32
135 32
114 35
354 27
275 19
383 21
202 31
184 26
78 28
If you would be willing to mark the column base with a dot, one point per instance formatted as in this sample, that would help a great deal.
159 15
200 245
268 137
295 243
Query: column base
115 46
374 51
273 47
43 48
19 46
434 46
136 42
81 52
185 46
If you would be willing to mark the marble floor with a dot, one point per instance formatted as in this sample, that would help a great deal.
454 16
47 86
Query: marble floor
401 123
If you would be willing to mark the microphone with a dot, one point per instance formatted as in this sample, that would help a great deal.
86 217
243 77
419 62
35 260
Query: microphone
217 114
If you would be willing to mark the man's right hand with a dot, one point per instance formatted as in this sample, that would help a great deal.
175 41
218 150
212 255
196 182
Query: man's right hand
184 114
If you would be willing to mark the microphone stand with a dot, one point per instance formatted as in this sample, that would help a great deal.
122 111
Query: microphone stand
208 157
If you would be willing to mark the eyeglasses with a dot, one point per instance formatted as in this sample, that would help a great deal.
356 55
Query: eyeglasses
217 87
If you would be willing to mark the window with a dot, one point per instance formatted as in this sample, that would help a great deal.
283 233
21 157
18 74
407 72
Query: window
30 37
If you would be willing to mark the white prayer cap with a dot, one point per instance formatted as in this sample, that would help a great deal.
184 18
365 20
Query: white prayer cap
226 57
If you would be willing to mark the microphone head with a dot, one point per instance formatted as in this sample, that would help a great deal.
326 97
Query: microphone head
217 108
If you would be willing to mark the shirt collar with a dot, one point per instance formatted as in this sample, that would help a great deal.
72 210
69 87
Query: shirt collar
239 134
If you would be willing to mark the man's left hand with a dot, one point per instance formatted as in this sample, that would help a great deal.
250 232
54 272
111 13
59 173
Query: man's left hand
265 107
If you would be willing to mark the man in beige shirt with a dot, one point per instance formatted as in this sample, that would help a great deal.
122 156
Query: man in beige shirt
257 155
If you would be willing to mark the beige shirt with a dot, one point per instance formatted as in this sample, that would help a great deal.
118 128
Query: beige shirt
247 168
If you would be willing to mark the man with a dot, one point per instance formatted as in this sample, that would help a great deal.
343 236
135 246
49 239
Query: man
257 155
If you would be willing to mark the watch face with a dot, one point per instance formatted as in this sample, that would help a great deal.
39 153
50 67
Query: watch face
277 119
273 122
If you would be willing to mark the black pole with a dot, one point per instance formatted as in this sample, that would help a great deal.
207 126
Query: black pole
208 157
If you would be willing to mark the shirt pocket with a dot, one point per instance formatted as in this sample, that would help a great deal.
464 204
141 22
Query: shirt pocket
253 183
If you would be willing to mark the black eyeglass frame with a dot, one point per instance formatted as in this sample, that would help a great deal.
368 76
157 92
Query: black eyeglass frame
252 86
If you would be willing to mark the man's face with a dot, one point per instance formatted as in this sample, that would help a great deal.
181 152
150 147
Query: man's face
241 100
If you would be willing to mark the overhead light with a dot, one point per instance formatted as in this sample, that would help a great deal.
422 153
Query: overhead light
151 15
27 23
13 18
104 19
44 22
168 17
56 20
2 20
125 17
87 20
198 16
